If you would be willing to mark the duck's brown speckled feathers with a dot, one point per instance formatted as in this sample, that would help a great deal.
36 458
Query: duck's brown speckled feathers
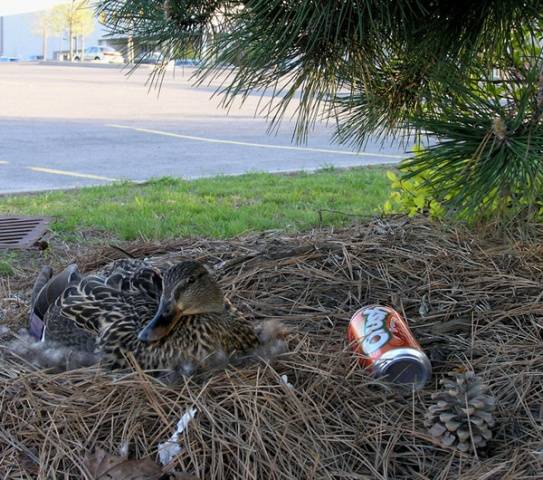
109 309
97 302
195 339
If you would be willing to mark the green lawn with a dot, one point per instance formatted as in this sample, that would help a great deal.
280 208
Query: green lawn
217 207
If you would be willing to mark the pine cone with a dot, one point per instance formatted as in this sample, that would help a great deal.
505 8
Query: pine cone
462 416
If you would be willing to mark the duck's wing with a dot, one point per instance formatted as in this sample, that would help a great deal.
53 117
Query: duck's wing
84 311
95 302
91 304
41 280
35 325
47 289
66 332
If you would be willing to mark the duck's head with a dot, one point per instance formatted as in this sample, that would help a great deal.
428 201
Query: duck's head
188 289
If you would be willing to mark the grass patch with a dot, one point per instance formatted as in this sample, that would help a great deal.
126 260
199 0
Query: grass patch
6 267
219 207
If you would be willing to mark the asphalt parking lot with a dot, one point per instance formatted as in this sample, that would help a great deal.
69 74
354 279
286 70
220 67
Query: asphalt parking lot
64 126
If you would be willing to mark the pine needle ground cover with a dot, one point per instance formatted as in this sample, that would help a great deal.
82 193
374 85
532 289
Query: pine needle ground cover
474 304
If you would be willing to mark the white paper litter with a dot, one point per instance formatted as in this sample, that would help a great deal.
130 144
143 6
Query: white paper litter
123 449
168 450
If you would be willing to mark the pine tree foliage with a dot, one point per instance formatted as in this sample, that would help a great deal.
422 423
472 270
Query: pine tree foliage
466 73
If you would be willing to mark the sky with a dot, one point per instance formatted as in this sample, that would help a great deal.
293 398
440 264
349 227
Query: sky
14 7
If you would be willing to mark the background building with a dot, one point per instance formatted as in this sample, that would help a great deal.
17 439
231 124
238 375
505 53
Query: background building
20 37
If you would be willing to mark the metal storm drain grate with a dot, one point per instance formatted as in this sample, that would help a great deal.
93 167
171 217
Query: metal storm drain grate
21 232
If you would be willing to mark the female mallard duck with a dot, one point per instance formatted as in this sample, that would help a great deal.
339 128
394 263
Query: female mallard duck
130 307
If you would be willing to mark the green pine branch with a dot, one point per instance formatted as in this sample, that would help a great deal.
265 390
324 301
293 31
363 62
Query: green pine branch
466 73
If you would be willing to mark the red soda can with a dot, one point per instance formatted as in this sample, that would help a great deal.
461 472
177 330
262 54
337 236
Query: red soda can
383 342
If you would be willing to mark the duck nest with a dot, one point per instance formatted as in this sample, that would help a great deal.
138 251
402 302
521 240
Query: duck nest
474 304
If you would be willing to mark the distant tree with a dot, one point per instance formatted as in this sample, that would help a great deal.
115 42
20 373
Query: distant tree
43 26
76 18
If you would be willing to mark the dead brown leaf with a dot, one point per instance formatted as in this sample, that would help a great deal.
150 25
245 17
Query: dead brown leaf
179 476
104 466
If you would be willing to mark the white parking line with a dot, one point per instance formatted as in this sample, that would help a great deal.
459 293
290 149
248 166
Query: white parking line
259 145
3 162
72 174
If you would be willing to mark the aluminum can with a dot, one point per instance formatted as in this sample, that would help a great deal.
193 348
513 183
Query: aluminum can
383 342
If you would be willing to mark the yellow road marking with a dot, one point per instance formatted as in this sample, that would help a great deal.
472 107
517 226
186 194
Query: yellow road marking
72 174
259 145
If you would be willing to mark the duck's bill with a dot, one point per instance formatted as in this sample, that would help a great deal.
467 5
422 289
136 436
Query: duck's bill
161 324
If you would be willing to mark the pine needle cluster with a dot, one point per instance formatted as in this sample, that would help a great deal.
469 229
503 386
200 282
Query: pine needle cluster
467 74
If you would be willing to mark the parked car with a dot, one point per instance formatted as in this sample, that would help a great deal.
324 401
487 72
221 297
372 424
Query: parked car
152 58
9 59
190 62
100 54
